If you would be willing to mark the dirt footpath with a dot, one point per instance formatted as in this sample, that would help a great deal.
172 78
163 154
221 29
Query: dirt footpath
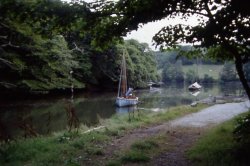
182 133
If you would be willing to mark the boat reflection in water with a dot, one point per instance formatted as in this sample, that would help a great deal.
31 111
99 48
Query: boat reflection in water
132 111
195 93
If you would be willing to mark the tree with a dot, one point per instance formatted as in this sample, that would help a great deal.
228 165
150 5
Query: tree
33 51
141 63
191 76
247 71
207 79
228 73
172 73
224 25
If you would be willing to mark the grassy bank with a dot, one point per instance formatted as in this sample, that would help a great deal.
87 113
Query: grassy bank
75 147
219 148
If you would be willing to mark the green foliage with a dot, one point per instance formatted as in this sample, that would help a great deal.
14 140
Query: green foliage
135 157
242 130
228 73
208 79
141 63
46 67
175 63
43 48
172 73
214 148
164 58
33 55
145 145
218 146
191 76
140 151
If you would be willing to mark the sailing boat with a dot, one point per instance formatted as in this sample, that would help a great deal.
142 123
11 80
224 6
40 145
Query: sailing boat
125 96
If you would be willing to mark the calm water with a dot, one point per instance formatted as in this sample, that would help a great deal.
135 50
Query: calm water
41 117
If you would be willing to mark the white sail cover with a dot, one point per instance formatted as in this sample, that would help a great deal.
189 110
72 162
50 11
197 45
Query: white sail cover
195 86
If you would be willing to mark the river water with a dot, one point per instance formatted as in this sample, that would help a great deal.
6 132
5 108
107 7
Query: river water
30 118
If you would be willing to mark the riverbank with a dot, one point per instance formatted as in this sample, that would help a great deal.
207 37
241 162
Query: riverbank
137 138
80 147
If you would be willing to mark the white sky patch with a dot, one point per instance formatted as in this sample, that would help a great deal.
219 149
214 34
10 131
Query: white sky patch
147 31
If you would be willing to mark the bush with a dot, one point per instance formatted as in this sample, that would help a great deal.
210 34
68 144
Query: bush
172 73
242 130
191 76
207 79
228 73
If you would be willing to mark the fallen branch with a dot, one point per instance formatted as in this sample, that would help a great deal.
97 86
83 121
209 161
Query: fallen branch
77 48
10 45
96 128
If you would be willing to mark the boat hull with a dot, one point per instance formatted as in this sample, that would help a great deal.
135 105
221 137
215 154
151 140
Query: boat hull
122 102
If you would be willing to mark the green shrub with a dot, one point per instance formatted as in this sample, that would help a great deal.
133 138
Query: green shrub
242 130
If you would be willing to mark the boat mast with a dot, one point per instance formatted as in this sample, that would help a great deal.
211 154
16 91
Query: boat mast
122 89
124 75
119 87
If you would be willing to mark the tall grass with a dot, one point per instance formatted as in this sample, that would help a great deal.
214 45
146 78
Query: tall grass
218 148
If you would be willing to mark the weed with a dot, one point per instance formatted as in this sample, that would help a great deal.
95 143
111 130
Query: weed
114 163
145 145
135 156
94 150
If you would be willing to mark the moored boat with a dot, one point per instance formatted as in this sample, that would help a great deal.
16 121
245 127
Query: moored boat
195 86
125 95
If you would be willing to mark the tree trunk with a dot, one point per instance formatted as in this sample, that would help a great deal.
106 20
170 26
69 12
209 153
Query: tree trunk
239 68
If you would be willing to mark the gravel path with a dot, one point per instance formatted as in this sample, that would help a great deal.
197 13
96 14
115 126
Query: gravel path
212 115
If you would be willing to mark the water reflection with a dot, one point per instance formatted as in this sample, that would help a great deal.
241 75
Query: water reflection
4 133
72 119
41 117
230 89
133 112
195 93
27 127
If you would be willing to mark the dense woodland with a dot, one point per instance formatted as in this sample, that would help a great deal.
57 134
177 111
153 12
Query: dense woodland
47 45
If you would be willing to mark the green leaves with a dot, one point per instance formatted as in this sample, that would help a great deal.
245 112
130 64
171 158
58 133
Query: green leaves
141 64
